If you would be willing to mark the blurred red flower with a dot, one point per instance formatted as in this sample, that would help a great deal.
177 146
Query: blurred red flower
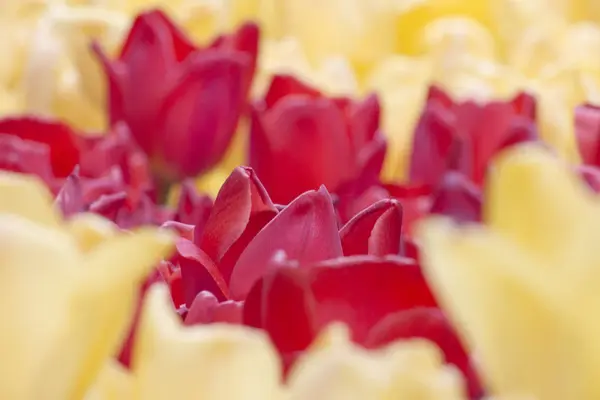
181 102
301 139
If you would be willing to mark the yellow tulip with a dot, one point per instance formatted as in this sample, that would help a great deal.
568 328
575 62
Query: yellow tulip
523 288
173 361
66 308
336 369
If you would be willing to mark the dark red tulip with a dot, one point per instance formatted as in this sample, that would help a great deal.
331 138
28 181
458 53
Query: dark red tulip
181 102
380 299
302 139
466 136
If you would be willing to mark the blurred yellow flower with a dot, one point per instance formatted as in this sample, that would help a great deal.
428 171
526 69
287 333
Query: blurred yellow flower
172 361
523 290
67 298
336 369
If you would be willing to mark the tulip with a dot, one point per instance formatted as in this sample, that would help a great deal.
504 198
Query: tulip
77 270
465 136
315 139
182 103
523 285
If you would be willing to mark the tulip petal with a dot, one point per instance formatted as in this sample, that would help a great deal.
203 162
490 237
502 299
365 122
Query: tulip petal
500 303
282 304
306 230
199 116
241 209
27 197
62 141
537 202
376 230
169 356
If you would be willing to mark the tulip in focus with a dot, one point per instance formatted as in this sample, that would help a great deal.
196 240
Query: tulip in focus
523 289
182 103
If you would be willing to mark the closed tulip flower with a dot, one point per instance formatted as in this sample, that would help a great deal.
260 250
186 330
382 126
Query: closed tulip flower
182 103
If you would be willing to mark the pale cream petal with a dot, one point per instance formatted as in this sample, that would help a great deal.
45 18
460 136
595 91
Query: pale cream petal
508 312
90 230
27 197
211 362
537 201
114 382
112 273
38 278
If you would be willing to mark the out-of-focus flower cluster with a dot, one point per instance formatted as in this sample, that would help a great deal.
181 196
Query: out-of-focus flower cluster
299 200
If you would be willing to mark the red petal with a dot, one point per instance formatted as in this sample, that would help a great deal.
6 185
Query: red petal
62 141
285 85
184 230
70 198
591 176
376 230
199 116
25 156
282 305
306 230
457 197
308 139
432 144
364 118
207 309
156 25
198 272
192 208
362 290
245 40
241 209
587 132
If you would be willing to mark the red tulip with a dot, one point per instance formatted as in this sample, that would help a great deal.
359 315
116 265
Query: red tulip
107 164
301 139
245 229
380 299
182 103
466 136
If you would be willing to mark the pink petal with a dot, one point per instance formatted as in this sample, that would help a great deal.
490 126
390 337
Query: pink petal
306 230
376 230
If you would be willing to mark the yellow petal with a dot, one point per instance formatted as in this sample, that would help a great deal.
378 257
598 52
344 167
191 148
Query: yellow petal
402 84
37 267
534 200
334 368
114 383
90 230
211 362
27 197
508 313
